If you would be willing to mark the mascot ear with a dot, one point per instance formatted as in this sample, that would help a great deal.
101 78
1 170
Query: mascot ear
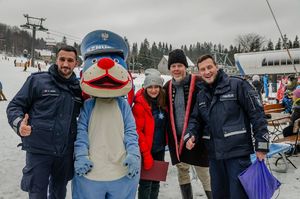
103 41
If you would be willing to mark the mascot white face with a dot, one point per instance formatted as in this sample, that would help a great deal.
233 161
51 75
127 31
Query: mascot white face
104 71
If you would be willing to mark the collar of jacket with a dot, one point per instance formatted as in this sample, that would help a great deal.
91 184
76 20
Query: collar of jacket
185 83
71 84
53 70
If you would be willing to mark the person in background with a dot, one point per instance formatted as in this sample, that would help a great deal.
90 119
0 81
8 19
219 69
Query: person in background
257 85
287 101
2 96
292 83
149 111
288 131
181 97
229 110
266 85
44 114
39 67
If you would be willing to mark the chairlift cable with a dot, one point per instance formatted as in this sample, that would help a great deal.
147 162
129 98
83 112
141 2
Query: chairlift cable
284 43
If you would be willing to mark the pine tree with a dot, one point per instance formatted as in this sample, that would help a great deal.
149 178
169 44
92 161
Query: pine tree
285 42
296 42
144 55
278 45
270 45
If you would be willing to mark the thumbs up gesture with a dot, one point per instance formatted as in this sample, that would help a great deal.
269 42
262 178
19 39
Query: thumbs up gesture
25 129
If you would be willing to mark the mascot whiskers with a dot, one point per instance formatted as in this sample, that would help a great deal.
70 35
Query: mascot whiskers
107 156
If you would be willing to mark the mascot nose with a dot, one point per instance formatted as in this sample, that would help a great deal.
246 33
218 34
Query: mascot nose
105 63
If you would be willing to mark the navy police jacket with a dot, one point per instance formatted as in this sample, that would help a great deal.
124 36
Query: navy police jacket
53 104
231 115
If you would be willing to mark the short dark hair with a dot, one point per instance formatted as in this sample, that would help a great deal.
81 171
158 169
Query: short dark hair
204 57
67 48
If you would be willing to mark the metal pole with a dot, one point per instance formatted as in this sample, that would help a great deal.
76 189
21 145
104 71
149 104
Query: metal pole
33 24
33 46
284 43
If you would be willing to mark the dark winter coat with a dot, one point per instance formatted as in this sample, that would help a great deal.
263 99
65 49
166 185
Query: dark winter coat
228 110
53 104
179 153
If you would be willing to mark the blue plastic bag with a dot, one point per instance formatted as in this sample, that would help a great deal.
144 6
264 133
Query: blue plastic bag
258 182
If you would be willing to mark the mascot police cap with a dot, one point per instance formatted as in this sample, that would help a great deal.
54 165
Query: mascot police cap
103 41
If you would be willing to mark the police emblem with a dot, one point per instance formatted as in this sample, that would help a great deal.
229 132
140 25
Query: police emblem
104 36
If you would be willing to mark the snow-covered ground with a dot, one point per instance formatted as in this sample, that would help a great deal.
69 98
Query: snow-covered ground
12 158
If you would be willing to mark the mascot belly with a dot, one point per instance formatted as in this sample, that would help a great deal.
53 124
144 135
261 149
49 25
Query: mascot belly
107 157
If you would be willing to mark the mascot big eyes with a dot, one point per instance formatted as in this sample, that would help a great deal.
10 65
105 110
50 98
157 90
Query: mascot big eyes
107 156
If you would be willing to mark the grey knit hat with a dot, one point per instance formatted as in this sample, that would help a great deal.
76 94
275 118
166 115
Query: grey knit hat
153 78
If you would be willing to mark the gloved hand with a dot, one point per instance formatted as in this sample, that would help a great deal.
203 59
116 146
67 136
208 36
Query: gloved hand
132 162
82 165
147 160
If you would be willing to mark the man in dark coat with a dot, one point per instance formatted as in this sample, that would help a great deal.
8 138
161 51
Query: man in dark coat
231 112
43 113
181 95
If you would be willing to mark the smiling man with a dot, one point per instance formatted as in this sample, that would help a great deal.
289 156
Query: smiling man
43 113
181 96
229 110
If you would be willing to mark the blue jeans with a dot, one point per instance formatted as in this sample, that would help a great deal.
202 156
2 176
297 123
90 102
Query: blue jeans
224 177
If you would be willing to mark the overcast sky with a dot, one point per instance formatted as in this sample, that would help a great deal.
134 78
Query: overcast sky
177 22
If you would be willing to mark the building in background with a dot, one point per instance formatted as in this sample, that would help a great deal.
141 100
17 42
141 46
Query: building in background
163 65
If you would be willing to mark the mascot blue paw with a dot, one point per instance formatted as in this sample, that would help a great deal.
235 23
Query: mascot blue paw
133 164
83 165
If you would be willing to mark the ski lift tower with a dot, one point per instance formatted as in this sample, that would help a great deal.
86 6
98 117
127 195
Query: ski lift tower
224 62
36 24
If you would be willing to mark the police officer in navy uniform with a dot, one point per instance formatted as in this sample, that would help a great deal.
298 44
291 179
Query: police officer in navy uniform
43 113
229 110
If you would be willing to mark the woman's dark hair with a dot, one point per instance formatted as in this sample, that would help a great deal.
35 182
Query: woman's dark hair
67 48
161 98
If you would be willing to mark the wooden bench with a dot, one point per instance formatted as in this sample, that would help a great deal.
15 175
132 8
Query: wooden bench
293 140
277 121
273 108
288 140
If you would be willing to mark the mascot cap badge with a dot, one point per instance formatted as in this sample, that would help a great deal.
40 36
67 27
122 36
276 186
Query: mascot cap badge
103 41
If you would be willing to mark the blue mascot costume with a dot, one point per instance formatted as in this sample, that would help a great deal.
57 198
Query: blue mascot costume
107 156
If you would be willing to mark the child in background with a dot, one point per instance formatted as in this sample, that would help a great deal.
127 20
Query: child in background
150 115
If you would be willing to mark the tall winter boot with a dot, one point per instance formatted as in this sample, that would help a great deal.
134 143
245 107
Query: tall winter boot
186 191
208 194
